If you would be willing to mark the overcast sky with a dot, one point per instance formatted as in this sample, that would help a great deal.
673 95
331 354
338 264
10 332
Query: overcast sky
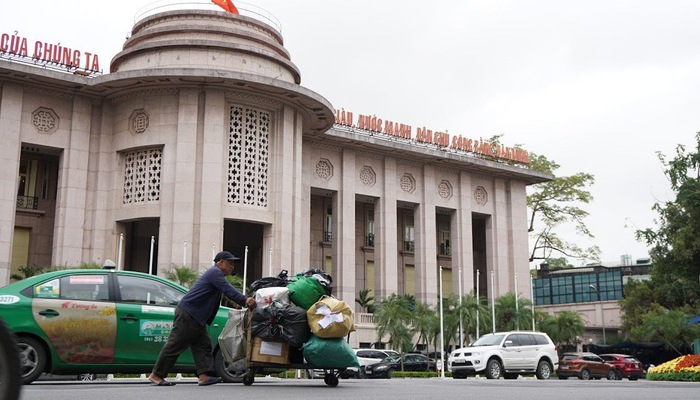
597 86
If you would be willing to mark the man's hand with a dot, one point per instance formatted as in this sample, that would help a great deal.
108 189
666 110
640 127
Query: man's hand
250 303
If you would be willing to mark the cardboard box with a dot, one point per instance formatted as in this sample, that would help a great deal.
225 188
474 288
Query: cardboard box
269 352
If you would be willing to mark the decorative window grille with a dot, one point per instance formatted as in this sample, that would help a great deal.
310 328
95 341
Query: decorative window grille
142 170
248 154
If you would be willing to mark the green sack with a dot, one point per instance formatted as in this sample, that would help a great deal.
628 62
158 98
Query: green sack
329 353
305 291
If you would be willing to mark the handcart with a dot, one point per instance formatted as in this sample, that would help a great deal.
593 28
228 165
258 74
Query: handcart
330 378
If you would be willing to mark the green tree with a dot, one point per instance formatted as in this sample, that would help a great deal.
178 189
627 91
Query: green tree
553 204
563 328
426 323
393 317
508 318
183 276
672 328
26 272
365 300
468 311
638 301
675 243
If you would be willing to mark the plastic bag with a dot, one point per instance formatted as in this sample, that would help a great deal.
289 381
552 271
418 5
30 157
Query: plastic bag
272 296
280 280
281 324
322 277
305 291
232 338
329 353
330 318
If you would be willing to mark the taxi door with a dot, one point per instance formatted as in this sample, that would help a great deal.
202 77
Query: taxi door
145 313
78 318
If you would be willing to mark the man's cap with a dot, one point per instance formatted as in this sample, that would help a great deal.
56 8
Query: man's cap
225 255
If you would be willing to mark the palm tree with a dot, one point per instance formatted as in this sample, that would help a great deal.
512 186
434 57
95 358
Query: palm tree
510 318
563 328
467 311
365 300
393 317
27 272
183 276
425 323
671 328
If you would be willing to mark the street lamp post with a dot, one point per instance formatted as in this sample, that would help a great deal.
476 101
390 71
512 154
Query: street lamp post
602 311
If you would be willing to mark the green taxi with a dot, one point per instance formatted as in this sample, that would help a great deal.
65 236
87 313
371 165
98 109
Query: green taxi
98 321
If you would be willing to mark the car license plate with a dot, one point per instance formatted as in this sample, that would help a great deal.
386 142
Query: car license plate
564 367
368 372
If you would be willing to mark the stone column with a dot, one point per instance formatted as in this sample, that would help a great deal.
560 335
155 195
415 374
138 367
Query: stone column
344 231
462 245
72 190
180 181
283 198
10 120
499 253
518 236
212 140
427 274
386 262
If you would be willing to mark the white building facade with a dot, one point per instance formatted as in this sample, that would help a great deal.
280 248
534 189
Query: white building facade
201 138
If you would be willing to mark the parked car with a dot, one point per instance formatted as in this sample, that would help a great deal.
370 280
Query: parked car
626 366
411 362
366 357
585 366
97 321
506 354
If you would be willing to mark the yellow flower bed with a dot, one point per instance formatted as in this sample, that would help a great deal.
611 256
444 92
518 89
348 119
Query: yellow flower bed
682 368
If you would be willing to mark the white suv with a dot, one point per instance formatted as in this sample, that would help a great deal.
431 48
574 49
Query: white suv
506 354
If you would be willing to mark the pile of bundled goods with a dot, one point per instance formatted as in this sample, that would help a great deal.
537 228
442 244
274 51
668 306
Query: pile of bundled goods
297 320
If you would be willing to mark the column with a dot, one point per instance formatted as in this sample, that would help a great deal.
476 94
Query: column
427 285
282 191
344 231
180 189
72 190
386 260
10 119
518 236
462 251
208 230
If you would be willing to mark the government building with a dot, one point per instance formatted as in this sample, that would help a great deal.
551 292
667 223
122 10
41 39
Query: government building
201 138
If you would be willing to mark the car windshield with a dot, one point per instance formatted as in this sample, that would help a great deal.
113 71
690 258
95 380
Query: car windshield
391 359
488 340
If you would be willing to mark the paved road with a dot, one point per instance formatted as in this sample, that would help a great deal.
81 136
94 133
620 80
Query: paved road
380 389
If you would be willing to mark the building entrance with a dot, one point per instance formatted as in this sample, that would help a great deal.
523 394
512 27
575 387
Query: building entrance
238 235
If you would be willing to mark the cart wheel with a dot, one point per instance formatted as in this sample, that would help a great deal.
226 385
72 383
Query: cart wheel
331 380
248 379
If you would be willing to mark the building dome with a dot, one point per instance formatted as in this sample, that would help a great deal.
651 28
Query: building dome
207 40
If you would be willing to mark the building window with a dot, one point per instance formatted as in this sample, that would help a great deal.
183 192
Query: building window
248 154
444 247
369 237
328 227
26 188
409 233
142 169
576 288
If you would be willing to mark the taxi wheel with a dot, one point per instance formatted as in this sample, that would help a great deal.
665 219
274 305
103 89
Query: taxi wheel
229 372
32 359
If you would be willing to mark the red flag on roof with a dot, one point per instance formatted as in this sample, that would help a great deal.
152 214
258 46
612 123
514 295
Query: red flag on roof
226 5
